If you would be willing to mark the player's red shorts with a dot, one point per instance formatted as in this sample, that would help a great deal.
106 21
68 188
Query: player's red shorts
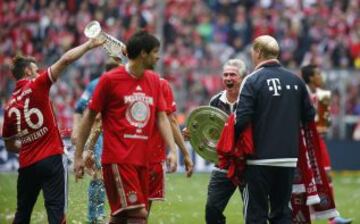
325 154
126 186
157 181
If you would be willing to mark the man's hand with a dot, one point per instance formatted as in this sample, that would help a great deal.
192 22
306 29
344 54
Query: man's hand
94 43
186 134
188 166
89 162
79 165
171 161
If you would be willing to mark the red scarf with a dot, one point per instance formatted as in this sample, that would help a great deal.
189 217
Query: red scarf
233 156
311 186
310 156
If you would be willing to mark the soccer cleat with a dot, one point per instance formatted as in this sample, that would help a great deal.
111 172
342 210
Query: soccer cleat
340 220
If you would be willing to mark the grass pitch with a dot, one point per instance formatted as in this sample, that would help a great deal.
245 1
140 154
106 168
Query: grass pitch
185 200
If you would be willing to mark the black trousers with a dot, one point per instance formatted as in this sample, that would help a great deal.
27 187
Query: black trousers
268 186
50 176
220 190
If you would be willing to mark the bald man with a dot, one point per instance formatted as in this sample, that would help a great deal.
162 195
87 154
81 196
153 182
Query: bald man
276 102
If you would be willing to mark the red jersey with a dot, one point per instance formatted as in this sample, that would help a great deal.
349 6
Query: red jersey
29 117
158 149
128 107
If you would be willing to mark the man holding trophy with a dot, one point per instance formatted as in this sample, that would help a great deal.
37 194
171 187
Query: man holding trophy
38 142
321 100
131 104
211 120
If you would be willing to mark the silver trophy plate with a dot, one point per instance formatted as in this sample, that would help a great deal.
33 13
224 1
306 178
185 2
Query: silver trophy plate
205 125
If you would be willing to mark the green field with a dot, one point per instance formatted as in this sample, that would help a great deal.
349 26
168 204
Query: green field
185 200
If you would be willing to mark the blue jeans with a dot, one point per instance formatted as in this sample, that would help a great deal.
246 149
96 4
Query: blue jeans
220 190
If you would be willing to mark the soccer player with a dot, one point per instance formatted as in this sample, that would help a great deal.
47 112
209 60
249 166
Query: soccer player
131 104
96 191
158 154
30 129
276 102
314 81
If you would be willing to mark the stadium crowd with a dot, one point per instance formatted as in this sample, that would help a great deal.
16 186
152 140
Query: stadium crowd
197 37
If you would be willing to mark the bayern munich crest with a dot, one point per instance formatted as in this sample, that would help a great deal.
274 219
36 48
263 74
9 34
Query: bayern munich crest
138 114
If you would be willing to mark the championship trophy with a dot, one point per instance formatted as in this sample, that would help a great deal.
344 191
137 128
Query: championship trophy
205 125
324 100
112 46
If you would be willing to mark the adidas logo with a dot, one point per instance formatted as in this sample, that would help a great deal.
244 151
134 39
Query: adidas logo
138 88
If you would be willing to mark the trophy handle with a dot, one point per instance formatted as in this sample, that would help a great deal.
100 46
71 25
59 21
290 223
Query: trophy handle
113 47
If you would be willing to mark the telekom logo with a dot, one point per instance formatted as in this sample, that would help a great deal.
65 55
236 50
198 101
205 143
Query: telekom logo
274 85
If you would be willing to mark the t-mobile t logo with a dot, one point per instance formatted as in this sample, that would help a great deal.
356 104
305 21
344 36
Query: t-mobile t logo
274 85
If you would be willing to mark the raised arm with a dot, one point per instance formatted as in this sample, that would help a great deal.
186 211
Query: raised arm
71 56
167 135
179 140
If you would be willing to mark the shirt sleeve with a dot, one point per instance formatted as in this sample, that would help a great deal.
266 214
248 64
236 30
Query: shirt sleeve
9 129
99 99
160 103
168 97
43 81
6 130
246 106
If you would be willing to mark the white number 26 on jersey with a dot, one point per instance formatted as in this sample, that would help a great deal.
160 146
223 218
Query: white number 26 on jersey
27 114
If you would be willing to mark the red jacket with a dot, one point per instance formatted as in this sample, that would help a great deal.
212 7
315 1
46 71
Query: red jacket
232 156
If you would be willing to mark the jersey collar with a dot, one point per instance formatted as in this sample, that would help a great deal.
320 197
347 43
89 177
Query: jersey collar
267 62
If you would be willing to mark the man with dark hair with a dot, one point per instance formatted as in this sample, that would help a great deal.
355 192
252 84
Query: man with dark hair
275 102
96 191
142 42
30 129
312 76
20 63
131 104
314 82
